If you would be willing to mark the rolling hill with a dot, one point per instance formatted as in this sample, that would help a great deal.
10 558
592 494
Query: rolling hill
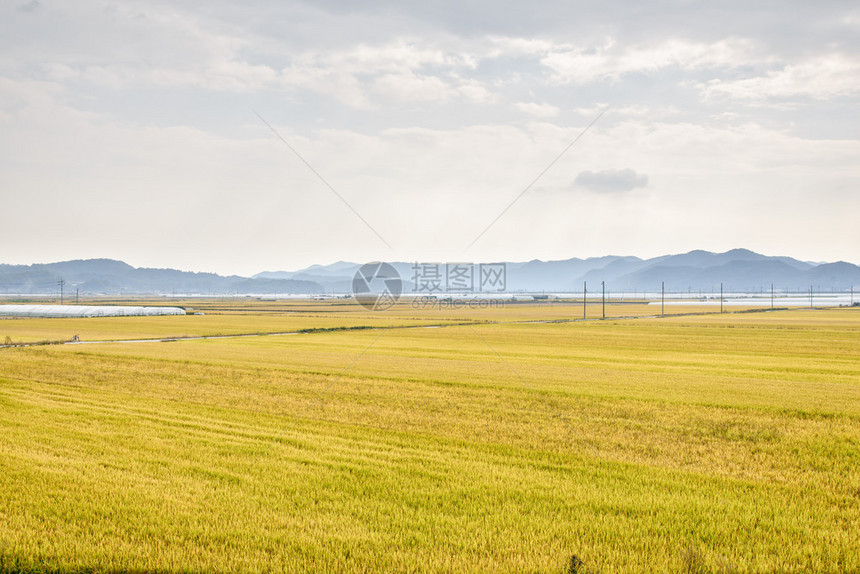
737 270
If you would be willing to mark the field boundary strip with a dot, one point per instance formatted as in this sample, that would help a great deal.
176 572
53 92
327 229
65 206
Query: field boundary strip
311 331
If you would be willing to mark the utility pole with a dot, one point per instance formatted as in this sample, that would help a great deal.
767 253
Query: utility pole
61 283
721 297
811 306
662 298
584 293
603 298
77 295
771 296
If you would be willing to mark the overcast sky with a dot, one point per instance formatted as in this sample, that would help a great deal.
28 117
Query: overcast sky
129 130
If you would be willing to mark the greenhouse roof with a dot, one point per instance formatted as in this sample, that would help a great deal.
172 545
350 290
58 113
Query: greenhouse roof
85 311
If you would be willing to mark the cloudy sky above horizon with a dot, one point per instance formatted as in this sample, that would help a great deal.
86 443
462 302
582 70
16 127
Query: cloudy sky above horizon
129 130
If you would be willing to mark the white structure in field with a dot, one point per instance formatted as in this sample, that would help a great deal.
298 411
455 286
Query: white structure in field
85 311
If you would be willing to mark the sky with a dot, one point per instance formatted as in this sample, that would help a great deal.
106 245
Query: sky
238 137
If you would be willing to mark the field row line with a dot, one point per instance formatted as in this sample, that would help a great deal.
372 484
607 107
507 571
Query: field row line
238 335
368 328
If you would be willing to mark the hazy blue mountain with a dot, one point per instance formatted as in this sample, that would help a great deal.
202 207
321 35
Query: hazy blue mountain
737 270
337 277
340 269
274 275
539 275
675 277
105 276
611 272
742 275
802 265
93 267
753 276
704 259
831 276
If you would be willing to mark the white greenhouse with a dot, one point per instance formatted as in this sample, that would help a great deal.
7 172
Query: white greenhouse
85 311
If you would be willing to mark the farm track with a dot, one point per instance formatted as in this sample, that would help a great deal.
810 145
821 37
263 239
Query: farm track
174 339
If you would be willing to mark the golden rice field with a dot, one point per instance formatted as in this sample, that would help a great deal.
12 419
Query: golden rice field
212 318
461 440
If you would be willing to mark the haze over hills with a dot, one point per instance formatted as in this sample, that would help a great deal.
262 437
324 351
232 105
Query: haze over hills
107 276
738 270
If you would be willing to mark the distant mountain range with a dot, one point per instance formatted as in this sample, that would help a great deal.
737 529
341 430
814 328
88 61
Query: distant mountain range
737 270
107 276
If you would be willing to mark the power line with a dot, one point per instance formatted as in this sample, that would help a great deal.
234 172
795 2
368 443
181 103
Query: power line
323 180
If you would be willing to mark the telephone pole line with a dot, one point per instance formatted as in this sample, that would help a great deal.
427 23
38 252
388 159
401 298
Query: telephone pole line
662 298
61 283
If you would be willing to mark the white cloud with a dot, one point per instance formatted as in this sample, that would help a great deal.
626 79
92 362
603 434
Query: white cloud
507 45
345 88
145 104
400 71
611 180
538 110
412 87
222 75
30 6
395 57
473 91
610 61
404 182
819 78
